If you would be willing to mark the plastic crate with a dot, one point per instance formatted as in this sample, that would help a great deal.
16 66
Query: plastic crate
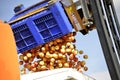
41 28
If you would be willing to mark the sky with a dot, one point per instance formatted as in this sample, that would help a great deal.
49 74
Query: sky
117 8
88 43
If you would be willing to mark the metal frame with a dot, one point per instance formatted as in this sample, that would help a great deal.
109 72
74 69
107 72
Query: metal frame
104 36
114 26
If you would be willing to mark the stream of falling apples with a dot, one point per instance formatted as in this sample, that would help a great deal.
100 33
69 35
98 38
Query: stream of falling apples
59 53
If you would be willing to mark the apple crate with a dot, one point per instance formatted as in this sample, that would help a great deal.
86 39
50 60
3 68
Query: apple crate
41 27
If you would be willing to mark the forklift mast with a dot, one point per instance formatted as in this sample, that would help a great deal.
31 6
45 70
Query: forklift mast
100 14
108 29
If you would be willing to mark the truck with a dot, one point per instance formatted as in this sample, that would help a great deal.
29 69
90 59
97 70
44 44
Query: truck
57 74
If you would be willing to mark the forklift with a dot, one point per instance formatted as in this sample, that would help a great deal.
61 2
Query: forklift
86 15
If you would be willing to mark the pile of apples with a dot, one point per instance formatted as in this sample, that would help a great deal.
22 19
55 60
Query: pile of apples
59 53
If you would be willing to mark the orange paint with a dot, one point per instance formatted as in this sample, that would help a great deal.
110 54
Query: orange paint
9 66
